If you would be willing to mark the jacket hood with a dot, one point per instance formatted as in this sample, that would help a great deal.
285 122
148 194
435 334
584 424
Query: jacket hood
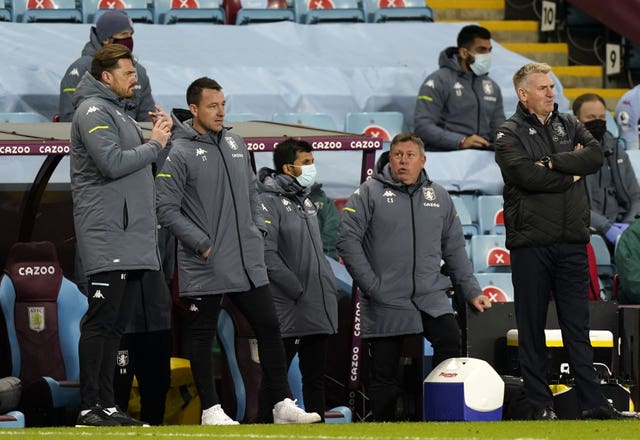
183 124
449 59
93 45
270 181
89 87
183 127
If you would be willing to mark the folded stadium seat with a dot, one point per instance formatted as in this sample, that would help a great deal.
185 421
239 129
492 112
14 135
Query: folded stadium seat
603 256
612 127
258 11
42 311
31 11
189 11
5 11
491 214
316 120
380 11
489 254
383 125
21 117
469 228
323 11
496 286
240 117
137 10
12 419
10 392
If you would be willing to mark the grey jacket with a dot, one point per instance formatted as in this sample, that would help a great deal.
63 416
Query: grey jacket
392 240
111 183
453 104
137 108
302 283
613 191
207 197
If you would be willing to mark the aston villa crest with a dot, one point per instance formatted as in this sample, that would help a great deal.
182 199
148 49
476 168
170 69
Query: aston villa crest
429 194
232 142
36 319
122 358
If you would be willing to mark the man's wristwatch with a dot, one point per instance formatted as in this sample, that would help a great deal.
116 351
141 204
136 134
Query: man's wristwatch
545 160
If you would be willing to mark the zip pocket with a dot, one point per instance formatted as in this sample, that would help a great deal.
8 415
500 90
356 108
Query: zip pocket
125 216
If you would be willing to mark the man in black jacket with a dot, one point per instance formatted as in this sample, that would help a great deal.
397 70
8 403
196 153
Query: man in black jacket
543 156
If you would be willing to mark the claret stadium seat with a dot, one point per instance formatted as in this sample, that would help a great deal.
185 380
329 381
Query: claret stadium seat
42 312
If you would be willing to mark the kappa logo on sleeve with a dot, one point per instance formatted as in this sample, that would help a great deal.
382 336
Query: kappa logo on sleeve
92 109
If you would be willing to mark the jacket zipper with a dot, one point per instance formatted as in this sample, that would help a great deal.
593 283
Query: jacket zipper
235 207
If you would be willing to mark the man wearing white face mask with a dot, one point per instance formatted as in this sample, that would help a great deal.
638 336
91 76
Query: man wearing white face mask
458 105
302 283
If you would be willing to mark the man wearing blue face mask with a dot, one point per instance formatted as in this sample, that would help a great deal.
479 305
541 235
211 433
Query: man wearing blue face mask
458 105
302 283
112 27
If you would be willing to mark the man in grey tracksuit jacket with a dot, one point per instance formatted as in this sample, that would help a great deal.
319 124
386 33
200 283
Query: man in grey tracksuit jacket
114 216
393 236
207 197
457 108
137 107
302 282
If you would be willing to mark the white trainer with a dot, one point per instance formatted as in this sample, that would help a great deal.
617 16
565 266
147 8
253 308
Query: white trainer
216 416
286 412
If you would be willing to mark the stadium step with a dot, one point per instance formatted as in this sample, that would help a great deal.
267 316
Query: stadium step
579 76
610 96
554 54
466 10
512 31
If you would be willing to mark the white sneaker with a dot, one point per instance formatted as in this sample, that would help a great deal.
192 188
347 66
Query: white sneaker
287 411
216 416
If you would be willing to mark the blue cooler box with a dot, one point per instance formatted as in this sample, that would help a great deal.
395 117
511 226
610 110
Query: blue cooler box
463 389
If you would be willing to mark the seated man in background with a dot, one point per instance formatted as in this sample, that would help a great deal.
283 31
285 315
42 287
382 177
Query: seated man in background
458 105
613 191
113 27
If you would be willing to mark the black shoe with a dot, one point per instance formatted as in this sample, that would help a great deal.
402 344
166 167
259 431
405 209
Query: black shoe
95 417
122 418
608 412
544 414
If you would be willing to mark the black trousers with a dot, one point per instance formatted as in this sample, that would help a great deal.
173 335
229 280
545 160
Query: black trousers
384 384
147 356
564 270
312 355
102 326
257 306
